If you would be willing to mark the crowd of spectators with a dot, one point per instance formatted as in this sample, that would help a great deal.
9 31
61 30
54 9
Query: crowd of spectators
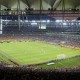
20 73
58 38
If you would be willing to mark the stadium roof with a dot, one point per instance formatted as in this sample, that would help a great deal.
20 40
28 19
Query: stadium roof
45 4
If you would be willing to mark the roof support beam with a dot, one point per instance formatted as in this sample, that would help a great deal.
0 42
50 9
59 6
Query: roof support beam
40 5
53 4
40 12
18 9
76 6
63 8
0 5
56 4
18 5
27 2
4 3
0 19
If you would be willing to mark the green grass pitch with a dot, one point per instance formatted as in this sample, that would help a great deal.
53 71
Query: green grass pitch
32 52
74 62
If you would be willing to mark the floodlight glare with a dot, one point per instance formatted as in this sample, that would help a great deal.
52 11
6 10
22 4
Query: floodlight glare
33 23
43 21
64 24
72 23
48 21
26 20
58 21
79 23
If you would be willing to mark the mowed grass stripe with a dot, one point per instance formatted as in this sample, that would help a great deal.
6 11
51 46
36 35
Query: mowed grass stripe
74 62
35 52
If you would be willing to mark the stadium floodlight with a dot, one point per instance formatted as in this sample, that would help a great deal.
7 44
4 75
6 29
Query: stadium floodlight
21 21
48 21
34 23
64 23
72 23
58 21
43 21
26 20
6 20
79 23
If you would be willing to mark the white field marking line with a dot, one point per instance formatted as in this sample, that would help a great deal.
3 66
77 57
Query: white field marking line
61 64
4 55
9 57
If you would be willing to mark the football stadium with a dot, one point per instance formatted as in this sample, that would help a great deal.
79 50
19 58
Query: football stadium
39 39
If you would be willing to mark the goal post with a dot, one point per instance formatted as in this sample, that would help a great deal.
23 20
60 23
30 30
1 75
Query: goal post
61 56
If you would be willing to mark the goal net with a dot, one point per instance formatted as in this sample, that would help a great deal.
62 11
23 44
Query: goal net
61 56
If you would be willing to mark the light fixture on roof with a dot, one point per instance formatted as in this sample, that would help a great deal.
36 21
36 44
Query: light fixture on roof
79 23
26 20
43 21
64 23
48 21
72 23
34 23
58 21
